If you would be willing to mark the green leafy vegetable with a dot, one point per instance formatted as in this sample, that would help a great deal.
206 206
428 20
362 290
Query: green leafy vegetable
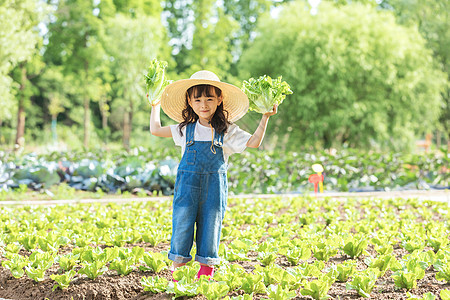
364 282
94 269
426 296
123 266
253 283
345 270
62 280
444 270
154 284
212 290
156 80
263 93
278 292
16 265
445 294
318 288
356 247
154 262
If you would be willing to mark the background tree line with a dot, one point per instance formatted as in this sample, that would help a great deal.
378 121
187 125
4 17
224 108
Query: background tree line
364 73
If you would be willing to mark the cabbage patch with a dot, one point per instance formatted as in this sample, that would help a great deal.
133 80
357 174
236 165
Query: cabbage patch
156 80
263 93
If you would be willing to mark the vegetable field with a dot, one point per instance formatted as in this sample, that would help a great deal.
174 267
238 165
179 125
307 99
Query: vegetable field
278 248
144 172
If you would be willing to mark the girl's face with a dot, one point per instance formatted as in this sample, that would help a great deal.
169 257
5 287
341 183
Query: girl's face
205 104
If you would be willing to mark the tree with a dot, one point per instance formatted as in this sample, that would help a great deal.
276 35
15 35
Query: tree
73 44
19 39
357 76
432 19
225 27
131 43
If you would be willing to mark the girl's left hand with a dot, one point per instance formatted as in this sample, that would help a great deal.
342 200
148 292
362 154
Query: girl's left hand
273 112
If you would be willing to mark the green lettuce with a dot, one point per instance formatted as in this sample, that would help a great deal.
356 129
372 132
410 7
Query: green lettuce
263 93
156 80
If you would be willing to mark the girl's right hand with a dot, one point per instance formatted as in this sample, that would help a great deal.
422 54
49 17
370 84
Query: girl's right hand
154 104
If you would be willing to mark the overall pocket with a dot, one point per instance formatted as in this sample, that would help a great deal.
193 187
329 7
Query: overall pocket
190 156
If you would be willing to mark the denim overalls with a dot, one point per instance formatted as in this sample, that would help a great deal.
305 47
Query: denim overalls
200 198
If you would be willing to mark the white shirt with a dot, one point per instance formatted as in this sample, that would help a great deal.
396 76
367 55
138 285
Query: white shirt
234 140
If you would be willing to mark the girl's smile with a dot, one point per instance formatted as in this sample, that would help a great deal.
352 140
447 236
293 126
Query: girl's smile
205 107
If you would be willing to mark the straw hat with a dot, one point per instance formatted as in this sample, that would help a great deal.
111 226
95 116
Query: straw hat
173 99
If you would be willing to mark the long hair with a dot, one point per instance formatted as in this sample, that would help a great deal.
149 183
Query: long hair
219 121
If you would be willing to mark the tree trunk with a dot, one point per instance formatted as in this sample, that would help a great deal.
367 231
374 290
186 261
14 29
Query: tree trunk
126 130
21 111
86 121
54 133
86 107
104 113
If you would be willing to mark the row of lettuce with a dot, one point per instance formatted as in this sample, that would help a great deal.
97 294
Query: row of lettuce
70 242
250 172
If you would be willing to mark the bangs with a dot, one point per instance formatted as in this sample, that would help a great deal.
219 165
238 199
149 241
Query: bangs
204 90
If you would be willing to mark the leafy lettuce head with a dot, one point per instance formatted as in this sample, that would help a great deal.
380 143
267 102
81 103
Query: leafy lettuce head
264 92
156 80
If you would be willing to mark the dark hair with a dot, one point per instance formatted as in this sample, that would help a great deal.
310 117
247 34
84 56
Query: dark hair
219 121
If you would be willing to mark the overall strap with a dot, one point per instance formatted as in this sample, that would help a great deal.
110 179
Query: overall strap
190 130
218 139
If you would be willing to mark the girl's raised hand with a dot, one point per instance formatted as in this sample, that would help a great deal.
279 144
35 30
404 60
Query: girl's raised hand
273 112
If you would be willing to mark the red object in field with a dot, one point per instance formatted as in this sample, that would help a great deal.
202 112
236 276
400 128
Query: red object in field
315 178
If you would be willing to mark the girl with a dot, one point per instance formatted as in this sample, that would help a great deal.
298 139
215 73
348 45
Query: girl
205 108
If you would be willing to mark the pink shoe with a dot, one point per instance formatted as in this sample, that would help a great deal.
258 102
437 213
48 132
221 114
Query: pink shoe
171 271
205 270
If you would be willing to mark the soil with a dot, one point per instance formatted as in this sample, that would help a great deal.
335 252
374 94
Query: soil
113 286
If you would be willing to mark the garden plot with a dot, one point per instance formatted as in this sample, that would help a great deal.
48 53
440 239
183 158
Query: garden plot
277 248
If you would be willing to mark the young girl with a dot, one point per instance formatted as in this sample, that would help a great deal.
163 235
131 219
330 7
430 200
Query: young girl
205 108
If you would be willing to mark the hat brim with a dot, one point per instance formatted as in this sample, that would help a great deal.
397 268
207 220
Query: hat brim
173 99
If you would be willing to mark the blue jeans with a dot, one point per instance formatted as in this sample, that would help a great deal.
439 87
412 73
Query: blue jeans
200 201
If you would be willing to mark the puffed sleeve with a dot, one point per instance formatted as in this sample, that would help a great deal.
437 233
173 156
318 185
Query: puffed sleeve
235 140
177 138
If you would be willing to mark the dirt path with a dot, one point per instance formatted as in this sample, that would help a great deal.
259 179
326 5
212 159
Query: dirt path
433 195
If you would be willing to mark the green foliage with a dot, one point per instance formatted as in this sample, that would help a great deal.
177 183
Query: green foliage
156 80
63 280
123 266
294 255
381 262
154 262
443 268
348 87
407 279
154 284
68 262
356 247
94 269
324 251
277 292
445 294
426 296
232 275
212 290
182 288
364 282
253 283
345 270
263 93
15 265
318 289
186 273
267 258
